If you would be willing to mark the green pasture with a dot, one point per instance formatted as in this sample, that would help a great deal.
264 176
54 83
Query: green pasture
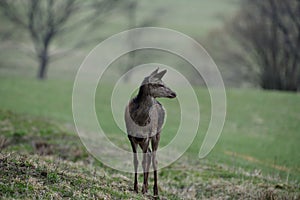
40 158
261 131
256 156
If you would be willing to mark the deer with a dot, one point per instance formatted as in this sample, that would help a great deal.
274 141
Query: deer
144 119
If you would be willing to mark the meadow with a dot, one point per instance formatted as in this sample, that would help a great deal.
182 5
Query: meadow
41 155
260 139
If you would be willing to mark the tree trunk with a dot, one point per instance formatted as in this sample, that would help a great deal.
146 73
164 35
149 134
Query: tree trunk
43 63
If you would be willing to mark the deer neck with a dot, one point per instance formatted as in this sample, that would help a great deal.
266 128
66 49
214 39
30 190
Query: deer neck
141 108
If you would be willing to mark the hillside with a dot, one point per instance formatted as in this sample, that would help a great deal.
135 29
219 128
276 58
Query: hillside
42 158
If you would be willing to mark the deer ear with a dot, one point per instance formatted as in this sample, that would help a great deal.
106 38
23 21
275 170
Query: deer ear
160 74
154 72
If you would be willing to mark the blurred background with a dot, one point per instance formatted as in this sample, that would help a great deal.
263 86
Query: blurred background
254 43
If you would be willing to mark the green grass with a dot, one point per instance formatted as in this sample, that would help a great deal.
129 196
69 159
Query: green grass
41 159
260 133
41 156
28 173
264 126
51 98
256 154
31 176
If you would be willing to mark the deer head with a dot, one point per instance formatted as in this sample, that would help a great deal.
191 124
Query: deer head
155 87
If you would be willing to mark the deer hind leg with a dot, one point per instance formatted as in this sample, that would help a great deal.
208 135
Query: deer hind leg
135 163
146 163
154 144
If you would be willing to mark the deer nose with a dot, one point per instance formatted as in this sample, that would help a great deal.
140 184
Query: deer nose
173 95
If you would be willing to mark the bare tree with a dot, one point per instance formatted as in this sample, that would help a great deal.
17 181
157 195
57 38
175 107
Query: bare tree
269 31
235 63
45 20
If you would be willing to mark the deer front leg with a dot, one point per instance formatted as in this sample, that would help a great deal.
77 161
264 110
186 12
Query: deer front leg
135 163
145 163
154 144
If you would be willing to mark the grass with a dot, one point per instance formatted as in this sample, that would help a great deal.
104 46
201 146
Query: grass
42 157
256 156
69 172
31 176
260 133
262 130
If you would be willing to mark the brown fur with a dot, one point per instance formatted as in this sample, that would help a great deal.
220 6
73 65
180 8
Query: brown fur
144 117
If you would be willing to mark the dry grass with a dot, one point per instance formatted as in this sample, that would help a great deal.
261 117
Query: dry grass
39 159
